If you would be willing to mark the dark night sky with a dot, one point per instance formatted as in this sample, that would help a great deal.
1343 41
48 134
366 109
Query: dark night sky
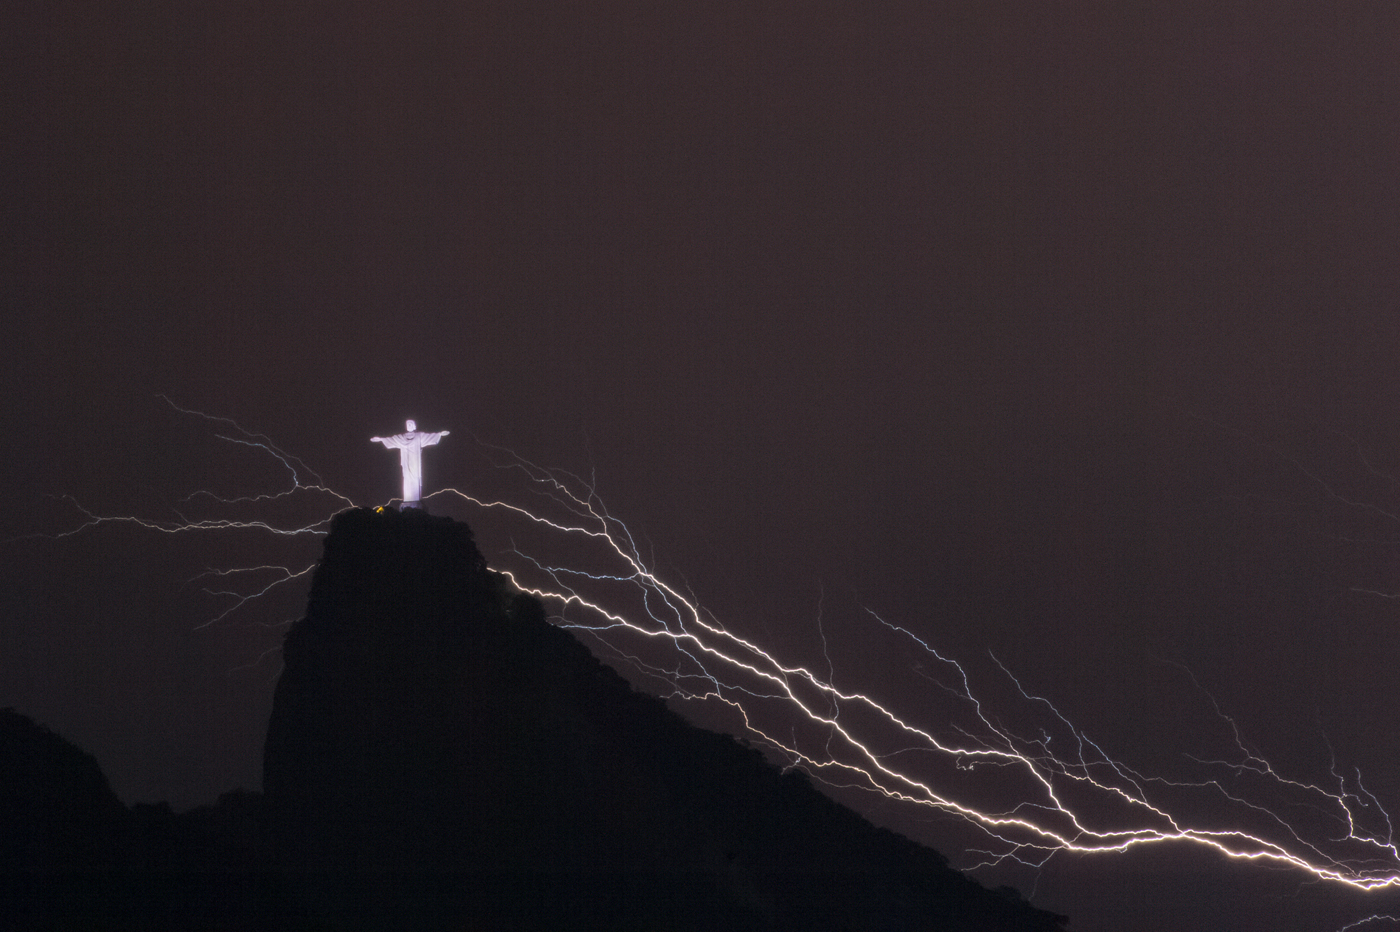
1024 324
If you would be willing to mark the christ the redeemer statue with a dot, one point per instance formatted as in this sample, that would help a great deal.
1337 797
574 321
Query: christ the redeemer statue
410 446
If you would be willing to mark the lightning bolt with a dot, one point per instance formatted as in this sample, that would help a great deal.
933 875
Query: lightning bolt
1362 923
1054 788
243 584
1023 775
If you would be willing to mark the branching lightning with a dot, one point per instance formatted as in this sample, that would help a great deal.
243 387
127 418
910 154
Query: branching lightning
241 598
1052 788
245 584
1030 781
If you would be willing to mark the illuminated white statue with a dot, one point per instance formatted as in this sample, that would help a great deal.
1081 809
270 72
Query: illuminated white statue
410 446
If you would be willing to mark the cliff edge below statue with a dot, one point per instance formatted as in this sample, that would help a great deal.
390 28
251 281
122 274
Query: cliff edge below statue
440 756
438 749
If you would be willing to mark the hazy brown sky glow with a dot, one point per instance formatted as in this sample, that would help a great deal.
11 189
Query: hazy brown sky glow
1061 331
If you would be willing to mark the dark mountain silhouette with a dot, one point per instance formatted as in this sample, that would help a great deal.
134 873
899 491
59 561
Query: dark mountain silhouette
57 812
441 756
73 857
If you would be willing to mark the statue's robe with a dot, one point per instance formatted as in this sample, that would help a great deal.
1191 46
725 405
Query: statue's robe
410 446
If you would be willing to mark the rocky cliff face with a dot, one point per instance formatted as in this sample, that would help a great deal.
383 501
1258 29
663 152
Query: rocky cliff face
441 757
439 752
370 747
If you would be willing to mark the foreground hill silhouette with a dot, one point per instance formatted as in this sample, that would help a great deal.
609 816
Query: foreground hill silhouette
440 756
73 857
435 741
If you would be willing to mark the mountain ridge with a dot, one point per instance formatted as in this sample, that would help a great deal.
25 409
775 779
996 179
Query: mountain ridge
440 755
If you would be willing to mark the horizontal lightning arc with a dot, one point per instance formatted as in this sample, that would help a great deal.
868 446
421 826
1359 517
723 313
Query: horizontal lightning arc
181 525
1040 825
319 526
1084 801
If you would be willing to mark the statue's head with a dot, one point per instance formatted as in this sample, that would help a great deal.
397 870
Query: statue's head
412 426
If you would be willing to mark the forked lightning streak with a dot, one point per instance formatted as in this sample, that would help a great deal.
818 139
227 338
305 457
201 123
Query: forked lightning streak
1034 789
